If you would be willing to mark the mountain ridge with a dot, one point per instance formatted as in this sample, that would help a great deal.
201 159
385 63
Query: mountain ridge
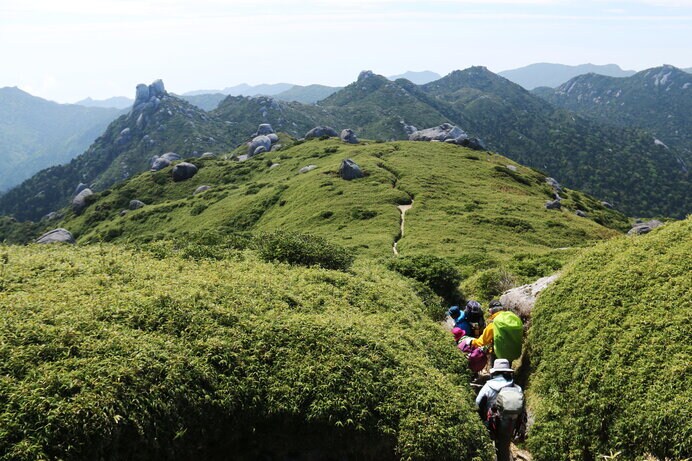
609 162
553 75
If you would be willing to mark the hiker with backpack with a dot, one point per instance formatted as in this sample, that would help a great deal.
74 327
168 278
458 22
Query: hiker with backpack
470 320
500 404
503 334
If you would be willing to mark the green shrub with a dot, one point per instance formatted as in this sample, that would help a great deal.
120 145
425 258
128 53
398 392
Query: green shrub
518 177
437 273
303 249
534 266
610 346
362 214
490 283
109 353
198 208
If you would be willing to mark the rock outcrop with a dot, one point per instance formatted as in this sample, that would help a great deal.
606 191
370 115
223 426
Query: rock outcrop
349 136
201 189
447 133
208 155
320 131
552 182
59 235
183 171
305 169
522 299
171 157
149 96
80 187
80 200
159 163
257 143
350 170
644 227
136 204
443 132
553 204
264 129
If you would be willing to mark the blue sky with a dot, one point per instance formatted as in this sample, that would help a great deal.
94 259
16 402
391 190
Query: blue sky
66 50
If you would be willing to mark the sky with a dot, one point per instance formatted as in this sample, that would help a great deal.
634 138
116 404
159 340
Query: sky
66 50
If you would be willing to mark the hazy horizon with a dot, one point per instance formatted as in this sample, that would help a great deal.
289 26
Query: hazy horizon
68 51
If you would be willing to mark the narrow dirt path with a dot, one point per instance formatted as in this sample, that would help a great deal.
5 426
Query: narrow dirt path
402 209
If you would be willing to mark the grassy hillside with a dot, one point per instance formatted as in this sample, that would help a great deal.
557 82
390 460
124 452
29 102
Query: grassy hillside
468 206
113 353
610 347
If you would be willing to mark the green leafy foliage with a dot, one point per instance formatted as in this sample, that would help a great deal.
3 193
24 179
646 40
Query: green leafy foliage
489 283
610 350
112 353
303 249
437 273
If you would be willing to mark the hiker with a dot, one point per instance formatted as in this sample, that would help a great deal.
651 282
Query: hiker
500 404
473 316
470 319
503 334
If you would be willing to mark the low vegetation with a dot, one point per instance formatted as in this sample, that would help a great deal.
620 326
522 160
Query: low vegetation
162 353
303 249
610 350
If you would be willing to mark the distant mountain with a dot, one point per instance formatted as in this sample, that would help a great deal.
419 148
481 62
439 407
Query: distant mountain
117 102
160 124
688 70
206 101
419 78
264 89
552 75
36 133
624 166
309 94
621 165
658 99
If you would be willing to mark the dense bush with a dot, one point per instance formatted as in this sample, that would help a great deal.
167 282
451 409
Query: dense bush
532 266
112 354
490 283
437 273
303 249
610 346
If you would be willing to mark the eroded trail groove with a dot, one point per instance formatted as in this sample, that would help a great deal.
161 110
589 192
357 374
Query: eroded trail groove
402 209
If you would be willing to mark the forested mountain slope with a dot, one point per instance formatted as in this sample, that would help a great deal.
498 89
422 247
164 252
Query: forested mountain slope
658 100
35 133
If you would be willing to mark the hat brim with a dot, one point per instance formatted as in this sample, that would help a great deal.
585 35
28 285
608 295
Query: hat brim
501 370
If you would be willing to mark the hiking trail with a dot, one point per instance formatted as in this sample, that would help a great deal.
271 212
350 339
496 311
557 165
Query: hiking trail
402 209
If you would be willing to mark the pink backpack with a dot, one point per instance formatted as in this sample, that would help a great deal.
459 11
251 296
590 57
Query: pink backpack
476 357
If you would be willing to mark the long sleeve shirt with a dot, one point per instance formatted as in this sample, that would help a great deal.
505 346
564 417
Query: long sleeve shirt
486 338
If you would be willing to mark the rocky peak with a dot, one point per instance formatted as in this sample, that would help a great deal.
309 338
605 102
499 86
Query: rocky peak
149 93
365 74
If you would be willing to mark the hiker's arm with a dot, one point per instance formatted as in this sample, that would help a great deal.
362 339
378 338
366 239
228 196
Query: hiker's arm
485 339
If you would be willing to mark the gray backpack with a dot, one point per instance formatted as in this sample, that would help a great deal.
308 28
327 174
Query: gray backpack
510 401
